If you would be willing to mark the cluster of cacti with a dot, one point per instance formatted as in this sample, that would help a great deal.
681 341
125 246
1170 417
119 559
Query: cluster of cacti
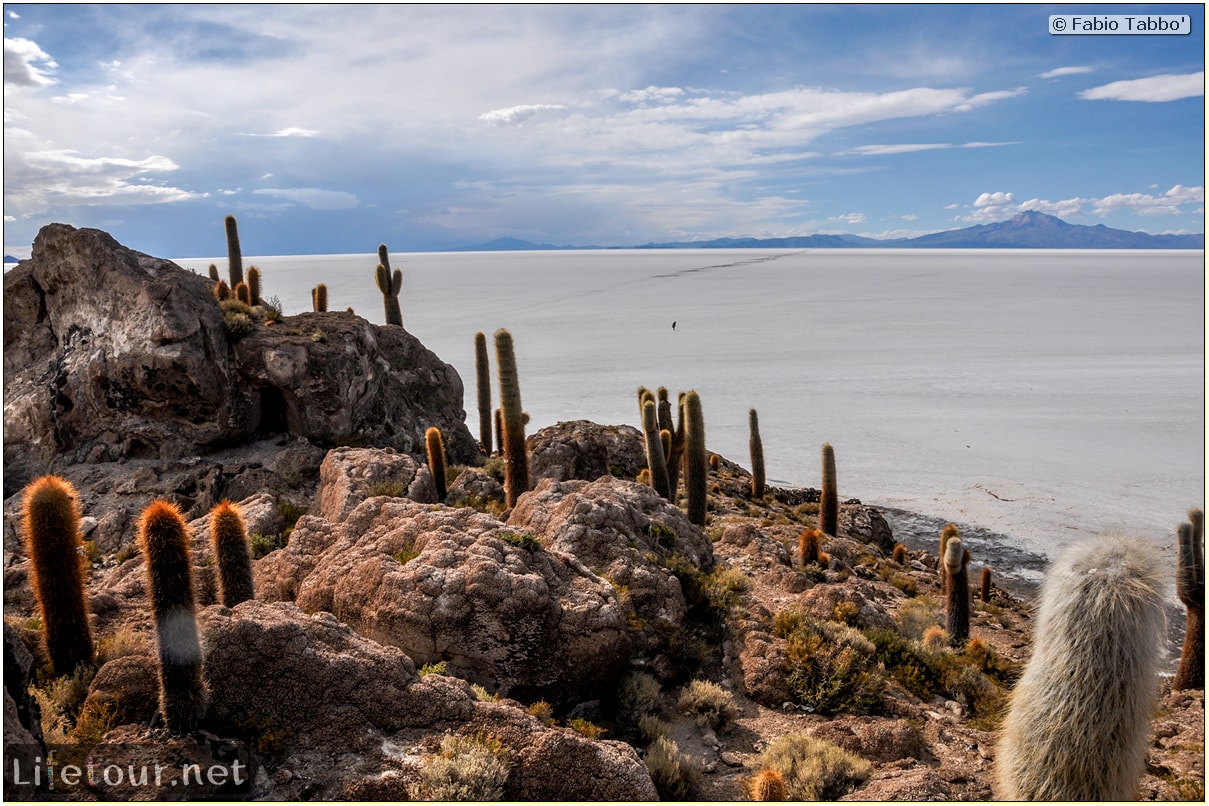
229 541
1190 588
164 539
483 376
954 564
695 458
756 446
222 290
390 285
50 525
234 255
655 459
516 458
1079 717
434 443
319 298
829 502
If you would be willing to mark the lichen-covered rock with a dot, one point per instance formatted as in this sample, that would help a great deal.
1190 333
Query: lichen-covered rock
762 666
124 691
877 739
845 602
580 449
559 765
866 524
458 586
625 532
755 543
348 476
278 574
475 487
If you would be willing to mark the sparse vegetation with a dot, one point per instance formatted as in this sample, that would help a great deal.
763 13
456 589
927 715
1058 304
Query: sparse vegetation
814 769
673 773
467 768
832 667
708 703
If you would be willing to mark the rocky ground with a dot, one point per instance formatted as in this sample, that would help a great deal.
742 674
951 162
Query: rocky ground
377 579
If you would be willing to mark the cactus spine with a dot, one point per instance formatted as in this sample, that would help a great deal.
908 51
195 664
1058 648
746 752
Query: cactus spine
51 527
984 588
654 449
756 445
483 375
829 502
1190 588
434 443
234 256
516 458
390 285
254 285
319 298
957 590
696 461
229 540
1079 717
163 536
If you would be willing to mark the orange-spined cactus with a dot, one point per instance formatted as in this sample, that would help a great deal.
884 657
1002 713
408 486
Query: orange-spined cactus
229 541
1190 587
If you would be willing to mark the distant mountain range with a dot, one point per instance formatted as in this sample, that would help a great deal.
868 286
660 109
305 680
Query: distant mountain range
1027 230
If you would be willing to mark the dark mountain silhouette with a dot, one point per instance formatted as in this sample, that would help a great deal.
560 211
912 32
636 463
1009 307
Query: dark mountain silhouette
1028 230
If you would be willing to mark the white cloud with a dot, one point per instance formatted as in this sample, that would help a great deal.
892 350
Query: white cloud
516 114
65 178
314 198
906 148
651 94
1000 205
1058 72
850 218
290 131
26 64
984 98
1170 87
1147 205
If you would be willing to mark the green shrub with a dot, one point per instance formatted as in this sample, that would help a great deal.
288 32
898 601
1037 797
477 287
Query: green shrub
541 710
394 489
482 694
440 667
709 704
814 769
638 695
723 588
585 728
651 727
260 545
522 540
920 672
466 769
674 775
916 616
831 667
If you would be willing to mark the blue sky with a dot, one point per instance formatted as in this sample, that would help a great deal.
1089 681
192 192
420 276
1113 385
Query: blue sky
330 129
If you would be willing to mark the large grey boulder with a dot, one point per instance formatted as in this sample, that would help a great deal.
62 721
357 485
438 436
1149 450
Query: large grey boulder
112 354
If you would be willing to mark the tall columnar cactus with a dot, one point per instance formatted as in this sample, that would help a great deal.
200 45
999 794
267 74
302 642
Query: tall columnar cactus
946 534
229 541
756 446
696 460
516 457
829 501
1190 588
434 443
655 460
164 539
319 298
50 524
254 285
984 588
482 373
675 457
664 410
1079 717
499 431
957 590
234 255
390 285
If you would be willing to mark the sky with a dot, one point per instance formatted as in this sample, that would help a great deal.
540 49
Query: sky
331 129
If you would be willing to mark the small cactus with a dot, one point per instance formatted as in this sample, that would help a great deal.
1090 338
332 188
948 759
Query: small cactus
767 785
957 590
654 449
254 285
829 502
809 542
756 446
984 587
319 298
50 524
664 410
229 539
1190 588
434 443
390 285
516 457
222 291
483 376
243 293
234 256
499 432
695 463
214 273
900 554
163 537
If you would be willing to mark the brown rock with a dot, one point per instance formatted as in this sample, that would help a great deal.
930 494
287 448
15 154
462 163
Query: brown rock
584 450
124 691
348 476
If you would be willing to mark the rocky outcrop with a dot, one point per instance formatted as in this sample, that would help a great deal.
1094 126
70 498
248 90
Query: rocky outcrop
111 354
458 586
348 476
627 533
584 450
